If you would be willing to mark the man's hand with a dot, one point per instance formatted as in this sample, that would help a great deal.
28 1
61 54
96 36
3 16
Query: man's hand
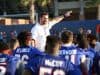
67 14
60 18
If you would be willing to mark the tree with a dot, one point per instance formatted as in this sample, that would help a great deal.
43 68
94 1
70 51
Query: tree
31 4
82 10
95 3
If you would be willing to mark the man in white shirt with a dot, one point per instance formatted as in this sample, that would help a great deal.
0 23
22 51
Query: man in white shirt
41 30
97 46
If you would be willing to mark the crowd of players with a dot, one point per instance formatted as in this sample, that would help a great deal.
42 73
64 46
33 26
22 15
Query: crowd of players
61 57
64 54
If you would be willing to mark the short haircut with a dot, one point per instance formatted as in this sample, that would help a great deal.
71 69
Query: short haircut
3 46
13 43
66 35
91 37
43 13
82 42
51 43
23 36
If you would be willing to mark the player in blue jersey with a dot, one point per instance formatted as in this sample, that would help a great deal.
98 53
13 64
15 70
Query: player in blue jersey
25 51
8 63
51 63
83 46
69 51
96 64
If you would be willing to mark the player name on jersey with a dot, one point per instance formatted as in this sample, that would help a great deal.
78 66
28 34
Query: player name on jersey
22 50
54 63
68 52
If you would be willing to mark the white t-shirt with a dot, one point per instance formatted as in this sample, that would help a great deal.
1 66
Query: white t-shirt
39 34
97 47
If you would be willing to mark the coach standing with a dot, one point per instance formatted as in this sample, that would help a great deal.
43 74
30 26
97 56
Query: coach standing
41 30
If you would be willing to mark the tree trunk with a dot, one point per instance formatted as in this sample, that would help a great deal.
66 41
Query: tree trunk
82 4
98 12
56 7
32 11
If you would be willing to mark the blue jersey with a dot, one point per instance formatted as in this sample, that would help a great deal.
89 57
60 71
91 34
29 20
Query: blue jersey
51 65
26 53
72 54
89 53
97 63
8 64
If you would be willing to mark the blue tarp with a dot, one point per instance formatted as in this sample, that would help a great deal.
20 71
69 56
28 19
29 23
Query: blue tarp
70 25
75 25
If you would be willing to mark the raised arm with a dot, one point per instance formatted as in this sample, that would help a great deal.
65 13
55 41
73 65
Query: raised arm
59 18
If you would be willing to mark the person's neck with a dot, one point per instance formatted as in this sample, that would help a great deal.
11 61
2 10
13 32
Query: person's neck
67 44
8 52
24 45
54 54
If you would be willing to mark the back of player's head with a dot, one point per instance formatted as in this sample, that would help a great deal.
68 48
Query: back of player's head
3 46
52 44
82 42
66 36
91 37
23 36
13 44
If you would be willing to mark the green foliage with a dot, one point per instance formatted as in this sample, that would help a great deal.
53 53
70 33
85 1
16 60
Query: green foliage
39 2
42 2
25 2
96 1
92 3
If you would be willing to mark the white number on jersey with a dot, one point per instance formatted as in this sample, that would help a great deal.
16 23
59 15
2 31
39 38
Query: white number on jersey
49 71
2 69
24 58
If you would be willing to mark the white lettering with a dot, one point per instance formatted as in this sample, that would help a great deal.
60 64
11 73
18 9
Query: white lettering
21 50
68 52
54 63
